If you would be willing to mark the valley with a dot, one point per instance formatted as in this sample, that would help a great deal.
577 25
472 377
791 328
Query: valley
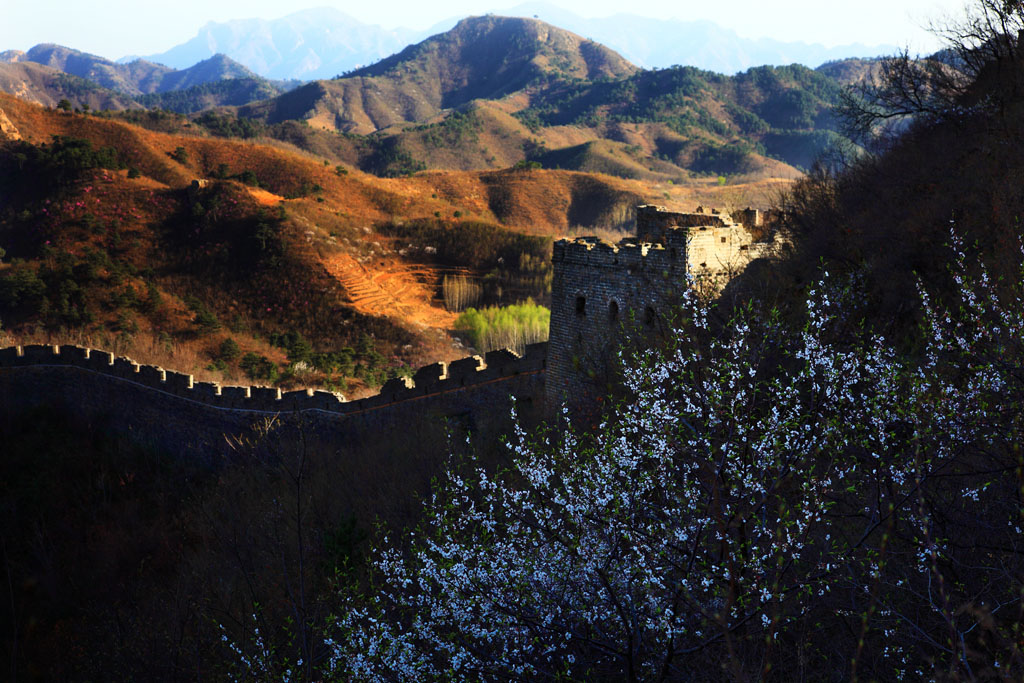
519 347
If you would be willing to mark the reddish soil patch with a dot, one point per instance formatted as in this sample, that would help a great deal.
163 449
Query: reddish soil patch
394 290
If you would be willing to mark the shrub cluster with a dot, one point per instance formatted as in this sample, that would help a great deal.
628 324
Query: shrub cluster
507 327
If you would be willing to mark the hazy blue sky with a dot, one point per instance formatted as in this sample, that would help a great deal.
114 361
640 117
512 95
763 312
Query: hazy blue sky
114 28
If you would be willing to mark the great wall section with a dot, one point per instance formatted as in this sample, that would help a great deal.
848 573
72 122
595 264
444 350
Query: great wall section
600 292
169 412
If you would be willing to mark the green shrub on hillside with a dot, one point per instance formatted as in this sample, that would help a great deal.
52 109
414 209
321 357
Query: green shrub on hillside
204 319
229 350
298 347
508 327
456 129
258 366
36 169
226 126
391 160
21 289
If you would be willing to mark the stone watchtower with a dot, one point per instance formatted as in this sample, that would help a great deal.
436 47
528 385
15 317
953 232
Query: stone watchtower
602 291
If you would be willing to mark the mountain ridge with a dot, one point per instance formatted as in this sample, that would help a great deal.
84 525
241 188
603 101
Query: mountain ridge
481 58
321 43
496 91
138 77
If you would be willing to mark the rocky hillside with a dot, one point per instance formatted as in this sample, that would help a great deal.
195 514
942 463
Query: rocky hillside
47 86
481 58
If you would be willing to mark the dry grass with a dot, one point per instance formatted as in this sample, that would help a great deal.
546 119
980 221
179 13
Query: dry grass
143 348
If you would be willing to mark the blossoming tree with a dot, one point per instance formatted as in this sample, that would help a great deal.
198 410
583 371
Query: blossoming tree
764 502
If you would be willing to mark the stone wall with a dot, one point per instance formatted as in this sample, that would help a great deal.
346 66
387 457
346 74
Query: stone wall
170 412
652 221
600 292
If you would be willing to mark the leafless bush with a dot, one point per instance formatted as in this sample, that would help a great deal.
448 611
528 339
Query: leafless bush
460 293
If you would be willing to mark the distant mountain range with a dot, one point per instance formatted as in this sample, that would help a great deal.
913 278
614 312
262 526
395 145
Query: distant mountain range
307 45
138 77
322 43
48 73
490 93
657 43
496 91
482 58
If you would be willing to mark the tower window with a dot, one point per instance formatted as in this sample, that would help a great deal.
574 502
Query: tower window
581 305
649 316
613 311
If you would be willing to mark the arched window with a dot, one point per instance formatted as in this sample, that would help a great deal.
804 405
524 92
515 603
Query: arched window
649 316
581 305
613 311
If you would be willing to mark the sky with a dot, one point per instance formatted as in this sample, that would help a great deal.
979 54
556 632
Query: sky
116 28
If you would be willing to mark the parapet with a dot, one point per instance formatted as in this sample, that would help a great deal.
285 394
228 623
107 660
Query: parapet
652 221
667 258
432 379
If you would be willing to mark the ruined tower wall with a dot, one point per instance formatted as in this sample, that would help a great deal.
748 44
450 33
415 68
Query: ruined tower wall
652 221
718 253
602 291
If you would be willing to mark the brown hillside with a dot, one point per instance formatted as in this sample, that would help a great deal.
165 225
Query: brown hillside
47 86
121 77
356 197
481 58
311 250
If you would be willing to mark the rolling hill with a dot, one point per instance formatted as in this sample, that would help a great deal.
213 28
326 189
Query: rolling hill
481 58
216 93
47 86
496 91
170 245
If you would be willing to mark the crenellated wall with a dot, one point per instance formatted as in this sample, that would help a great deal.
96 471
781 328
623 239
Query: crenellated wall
600 292
172 412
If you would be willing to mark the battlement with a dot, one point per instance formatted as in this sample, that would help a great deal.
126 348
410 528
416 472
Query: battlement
427 381
712 251
628 253
599 288
653 222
